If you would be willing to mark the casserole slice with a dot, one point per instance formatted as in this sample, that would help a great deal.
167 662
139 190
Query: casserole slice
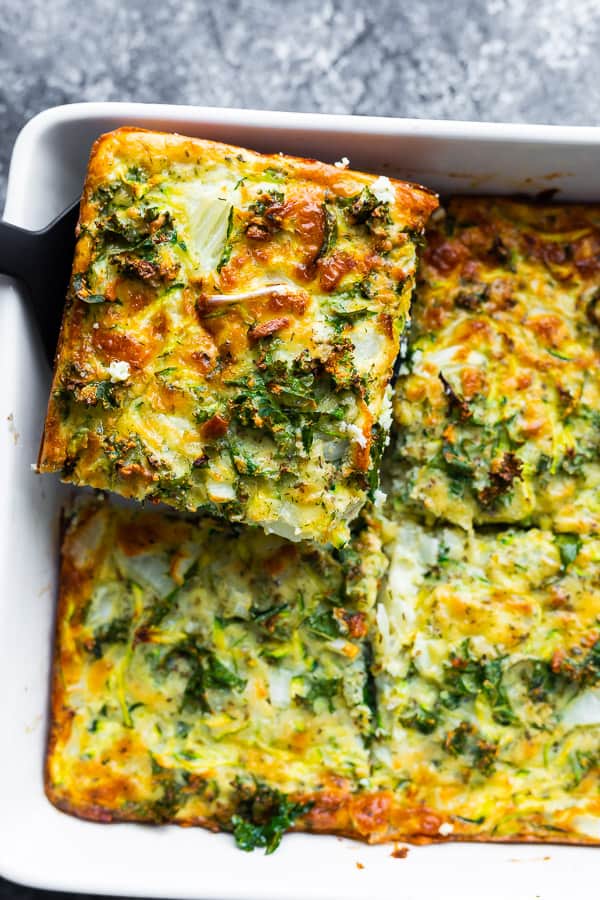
230 331
498 409
487 665
206 673
209 674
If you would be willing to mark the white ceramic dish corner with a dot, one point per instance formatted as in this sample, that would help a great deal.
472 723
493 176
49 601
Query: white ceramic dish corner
43 847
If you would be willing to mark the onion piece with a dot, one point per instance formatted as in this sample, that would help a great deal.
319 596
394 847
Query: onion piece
266 291
583 710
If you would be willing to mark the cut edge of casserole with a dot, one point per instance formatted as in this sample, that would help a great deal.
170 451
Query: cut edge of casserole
230 331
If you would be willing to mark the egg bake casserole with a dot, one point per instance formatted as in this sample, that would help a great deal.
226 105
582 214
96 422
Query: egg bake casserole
230 331
421 684
438 676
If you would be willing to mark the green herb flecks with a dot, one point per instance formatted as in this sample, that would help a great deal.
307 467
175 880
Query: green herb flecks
228 245
115 632
569 546
466 741
324 625
322 689
206 672
263 816
466 677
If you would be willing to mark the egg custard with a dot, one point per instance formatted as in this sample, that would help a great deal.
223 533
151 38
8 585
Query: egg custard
206 673
230 331
498 404
487 664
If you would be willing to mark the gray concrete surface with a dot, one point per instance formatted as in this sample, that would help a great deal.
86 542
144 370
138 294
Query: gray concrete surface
506 60
503 60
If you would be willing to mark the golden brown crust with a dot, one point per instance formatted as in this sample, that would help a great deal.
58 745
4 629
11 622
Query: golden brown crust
378 817
355 816
418 200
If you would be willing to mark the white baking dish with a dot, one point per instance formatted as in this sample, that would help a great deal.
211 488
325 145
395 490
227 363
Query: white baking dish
41 846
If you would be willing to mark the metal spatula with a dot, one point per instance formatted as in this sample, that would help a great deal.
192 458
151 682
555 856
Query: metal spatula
42 260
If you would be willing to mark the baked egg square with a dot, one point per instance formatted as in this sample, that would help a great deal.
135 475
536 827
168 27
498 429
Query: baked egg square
498 403
208 674
487 673
230 331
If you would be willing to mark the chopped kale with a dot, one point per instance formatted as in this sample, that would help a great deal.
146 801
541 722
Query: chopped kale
228 245
287 400
466 677
115 632
82 291
466 741
164 808
580 669
420 718
137 174
323 689
274 619
324 625
206 671
330 232
378 441
361 207
540 680
569 546
174 489
105 394
255 406
263 816
345 308
370 689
